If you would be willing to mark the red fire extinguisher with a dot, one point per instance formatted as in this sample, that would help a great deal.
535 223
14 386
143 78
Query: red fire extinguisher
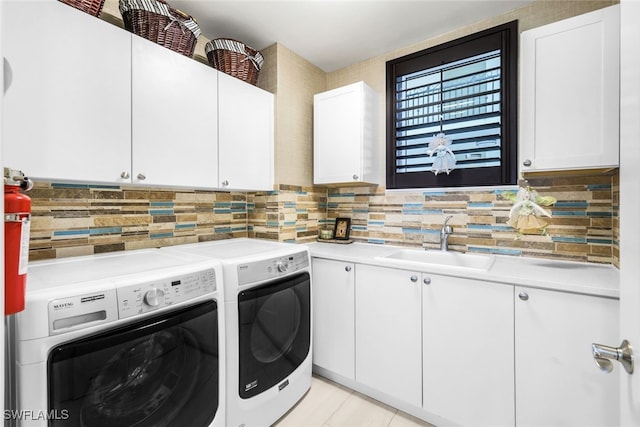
17 217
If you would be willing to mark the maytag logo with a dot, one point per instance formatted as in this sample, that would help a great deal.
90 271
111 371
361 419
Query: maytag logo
62 305
252 384
92 298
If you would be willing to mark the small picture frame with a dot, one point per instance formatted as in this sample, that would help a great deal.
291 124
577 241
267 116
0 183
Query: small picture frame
342 229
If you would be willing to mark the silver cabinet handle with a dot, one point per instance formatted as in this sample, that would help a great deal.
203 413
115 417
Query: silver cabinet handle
427 280
142 176
355 177
414 278
125 175
347 268
225 183
603 355
523 296
526 163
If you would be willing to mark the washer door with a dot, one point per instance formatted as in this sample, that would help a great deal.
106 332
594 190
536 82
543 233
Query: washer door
153 373
274 327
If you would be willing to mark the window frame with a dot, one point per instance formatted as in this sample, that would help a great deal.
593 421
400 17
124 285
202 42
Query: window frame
506 35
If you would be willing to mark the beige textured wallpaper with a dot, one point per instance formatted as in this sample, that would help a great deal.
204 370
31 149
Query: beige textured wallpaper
297 81
373 71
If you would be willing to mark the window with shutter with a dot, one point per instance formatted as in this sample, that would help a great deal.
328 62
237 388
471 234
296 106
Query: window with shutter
466 90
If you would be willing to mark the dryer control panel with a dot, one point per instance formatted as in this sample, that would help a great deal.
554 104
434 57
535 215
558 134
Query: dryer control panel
258 271
142 298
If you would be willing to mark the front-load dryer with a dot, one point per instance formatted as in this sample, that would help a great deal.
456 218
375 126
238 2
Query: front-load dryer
126 339
268 309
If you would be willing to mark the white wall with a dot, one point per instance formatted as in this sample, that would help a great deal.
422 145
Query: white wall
630 206
1 228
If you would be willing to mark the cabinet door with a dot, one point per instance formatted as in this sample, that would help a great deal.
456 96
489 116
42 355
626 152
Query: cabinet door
175 119
468 350
569 93
246 135
389 332
67 94
557 381
333 316
337 135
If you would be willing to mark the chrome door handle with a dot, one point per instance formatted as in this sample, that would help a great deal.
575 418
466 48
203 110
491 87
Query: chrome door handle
347 268
603 355
125 175
527 163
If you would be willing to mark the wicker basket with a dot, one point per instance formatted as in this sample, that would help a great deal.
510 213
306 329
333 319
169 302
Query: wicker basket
92 7
235 58
157 21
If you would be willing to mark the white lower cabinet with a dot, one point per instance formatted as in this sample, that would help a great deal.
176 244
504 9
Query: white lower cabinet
333 316
557 381
389 332
463 351
467 353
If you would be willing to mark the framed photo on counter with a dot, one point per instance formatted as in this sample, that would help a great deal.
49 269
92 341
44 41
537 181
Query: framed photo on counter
342 229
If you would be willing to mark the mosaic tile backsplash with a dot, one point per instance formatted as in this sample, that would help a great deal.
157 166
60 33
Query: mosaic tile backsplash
582 228
72 220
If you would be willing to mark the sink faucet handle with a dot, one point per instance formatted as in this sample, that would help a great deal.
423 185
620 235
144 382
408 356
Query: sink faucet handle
447 220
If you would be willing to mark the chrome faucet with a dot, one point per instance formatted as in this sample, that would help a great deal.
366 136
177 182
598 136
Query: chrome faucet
444 234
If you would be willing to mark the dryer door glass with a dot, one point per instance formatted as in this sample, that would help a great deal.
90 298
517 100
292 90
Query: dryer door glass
159 372
274 327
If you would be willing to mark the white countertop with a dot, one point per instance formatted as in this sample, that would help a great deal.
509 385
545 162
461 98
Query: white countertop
566 276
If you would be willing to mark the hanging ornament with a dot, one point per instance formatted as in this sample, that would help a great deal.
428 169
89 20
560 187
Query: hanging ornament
445 160
525 215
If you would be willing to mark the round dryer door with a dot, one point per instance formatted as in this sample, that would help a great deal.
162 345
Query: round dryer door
274 332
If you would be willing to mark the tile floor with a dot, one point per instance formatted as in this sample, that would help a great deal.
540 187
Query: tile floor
328 404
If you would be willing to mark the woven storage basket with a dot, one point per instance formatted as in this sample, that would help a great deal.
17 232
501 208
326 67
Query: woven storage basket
235 58
92 7
157 21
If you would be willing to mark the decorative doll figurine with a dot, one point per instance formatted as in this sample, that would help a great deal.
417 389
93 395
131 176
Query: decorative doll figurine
526 211
445 159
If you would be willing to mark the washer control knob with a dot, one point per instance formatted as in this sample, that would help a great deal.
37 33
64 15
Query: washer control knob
153 297
282 266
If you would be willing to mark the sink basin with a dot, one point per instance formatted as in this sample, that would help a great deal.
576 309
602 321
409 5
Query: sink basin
444 259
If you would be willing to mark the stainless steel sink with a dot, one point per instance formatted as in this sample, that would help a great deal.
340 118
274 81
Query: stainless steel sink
441 258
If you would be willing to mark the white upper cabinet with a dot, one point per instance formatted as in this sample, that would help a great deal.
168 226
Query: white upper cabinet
67 94
245 135
345 137
569 93
175 123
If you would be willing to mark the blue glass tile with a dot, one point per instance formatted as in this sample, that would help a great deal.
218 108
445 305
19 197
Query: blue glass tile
71 232
106 230
182 226
160 235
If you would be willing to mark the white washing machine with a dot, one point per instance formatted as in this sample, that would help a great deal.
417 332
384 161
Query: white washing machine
125 339
268 318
